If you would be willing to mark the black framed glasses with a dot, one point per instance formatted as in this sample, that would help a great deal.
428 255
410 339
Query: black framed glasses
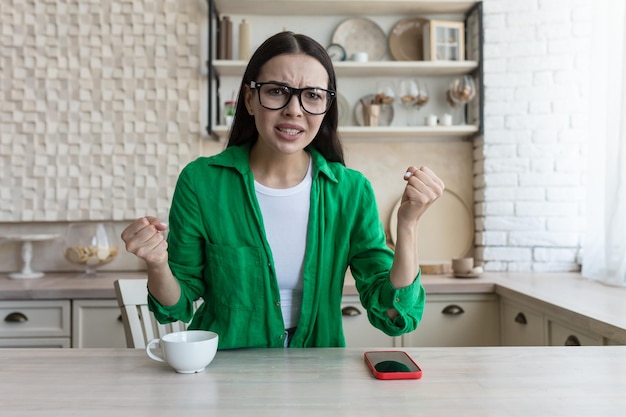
275 96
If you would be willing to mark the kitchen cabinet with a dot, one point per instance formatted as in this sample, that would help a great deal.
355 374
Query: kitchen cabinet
61 323
35 323
529 322
357 329
297 15
457 320
97 324
520 325
564 334
63 310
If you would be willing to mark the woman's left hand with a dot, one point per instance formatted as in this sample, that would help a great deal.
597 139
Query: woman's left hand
423 188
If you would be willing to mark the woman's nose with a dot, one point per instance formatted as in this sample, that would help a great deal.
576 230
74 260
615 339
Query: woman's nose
293 106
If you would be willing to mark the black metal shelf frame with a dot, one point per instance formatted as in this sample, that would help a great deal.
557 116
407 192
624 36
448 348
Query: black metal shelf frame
213 16
478 72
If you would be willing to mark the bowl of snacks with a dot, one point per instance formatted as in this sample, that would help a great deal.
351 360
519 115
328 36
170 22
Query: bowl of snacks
90 245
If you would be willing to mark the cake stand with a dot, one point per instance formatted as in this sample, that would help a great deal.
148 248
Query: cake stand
27 253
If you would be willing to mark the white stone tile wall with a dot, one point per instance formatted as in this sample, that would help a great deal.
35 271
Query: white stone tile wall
99 106
529 185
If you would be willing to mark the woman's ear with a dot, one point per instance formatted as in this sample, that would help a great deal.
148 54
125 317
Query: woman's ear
248 97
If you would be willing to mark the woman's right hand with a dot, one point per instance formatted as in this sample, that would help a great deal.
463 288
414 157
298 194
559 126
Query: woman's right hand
144 238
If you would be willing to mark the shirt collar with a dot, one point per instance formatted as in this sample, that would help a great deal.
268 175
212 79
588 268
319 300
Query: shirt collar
237 157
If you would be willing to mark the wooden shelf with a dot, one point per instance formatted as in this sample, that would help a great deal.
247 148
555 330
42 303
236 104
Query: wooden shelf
341 7
367 69
390 133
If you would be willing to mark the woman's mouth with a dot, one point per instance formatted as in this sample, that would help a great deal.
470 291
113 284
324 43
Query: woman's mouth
289 131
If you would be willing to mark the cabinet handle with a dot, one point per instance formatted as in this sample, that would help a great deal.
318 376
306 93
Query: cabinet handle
452 310
16 317
350 311
572 341
521 318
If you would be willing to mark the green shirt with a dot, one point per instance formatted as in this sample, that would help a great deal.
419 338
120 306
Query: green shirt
219 252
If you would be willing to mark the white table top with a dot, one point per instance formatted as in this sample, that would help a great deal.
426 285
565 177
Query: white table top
496 381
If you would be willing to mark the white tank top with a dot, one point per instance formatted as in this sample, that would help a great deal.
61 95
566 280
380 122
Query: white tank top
286 217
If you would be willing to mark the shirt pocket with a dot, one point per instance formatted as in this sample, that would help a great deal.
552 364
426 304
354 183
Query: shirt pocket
236 276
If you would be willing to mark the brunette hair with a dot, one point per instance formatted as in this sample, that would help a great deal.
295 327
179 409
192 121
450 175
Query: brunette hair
244 130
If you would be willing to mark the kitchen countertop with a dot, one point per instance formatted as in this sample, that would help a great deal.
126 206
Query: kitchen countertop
491 381
74 285
63 285
602 306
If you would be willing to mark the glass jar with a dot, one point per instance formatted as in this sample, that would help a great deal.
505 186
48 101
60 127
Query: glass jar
90 245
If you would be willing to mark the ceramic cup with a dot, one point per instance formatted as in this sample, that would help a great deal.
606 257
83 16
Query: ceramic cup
462 265
431 120
187 352
446 119
360 57
371 114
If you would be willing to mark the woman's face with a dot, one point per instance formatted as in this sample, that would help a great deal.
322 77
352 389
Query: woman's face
290 129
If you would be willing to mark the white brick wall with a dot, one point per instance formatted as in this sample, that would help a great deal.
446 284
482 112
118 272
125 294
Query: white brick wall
530 190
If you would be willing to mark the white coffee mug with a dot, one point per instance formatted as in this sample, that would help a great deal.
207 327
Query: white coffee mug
446 119
360 56
187 352
431 120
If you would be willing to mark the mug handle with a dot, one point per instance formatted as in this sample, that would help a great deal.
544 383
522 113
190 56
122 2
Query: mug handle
153 355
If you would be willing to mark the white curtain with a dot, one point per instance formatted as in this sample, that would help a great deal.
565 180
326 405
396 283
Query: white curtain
604 248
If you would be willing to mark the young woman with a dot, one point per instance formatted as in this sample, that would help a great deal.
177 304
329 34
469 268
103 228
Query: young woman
264 231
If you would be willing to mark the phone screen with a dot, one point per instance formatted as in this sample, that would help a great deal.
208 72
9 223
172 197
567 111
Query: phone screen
392 365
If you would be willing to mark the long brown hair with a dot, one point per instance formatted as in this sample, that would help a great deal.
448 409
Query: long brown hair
244 130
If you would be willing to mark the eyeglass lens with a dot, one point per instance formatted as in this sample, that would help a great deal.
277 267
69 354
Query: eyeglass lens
276 96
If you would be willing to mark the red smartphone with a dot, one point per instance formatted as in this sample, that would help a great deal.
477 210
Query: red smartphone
392 364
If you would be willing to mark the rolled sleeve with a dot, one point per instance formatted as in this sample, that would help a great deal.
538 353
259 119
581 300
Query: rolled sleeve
182 310
408 301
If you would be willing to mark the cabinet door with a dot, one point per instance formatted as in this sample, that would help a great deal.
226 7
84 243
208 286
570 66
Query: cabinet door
357 329
520 325
561 334
457 320
34 318
97 324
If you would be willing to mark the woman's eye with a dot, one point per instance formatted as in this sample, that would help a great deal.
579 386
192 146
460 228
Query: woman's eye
278 91
311 95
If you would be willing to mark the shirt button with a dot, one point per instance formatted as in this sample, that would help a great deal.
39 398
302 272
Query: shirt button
278 303
397 300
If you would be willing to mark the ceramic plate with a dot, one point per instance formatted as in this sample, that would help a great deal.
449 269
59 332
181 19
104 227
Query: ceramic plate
344 110
446 229
405 39
386 113
361 35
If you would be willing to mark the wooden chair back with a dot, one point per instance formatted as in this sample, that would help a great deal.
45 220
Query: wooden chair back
140 326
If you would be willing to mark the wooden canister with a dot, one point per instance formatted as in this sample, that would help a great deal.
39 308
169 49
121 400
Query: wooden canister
226 39
244 40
